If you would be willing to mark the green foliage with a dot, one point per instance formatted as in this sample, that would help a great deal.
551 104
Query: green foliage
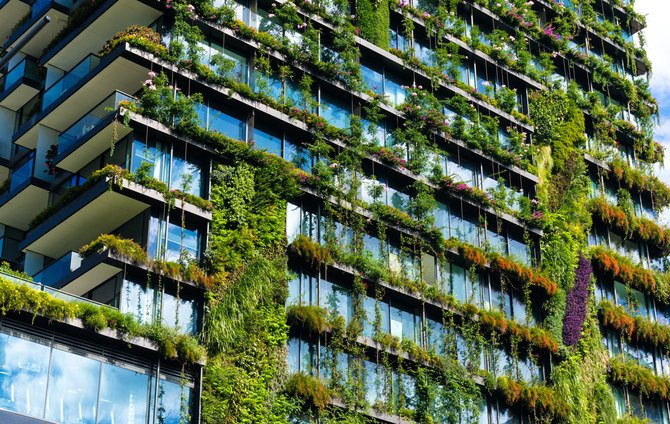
248 216
313 393
310 252
139 36
126 248
310 319
373 18
246 333
18 298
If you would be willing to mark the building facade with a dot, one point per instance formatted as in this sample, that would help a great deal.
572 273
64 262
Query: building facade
424 211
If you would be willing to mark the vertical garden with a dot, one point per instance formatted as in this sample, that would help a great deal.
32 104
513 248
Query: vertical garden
438 211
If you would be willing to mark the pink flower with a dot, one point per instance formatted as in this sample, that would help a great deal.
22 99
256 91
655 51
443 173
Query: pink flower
151 74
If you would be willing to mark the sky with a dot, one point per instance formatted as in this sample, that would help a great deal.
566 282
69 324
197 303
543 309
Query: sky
657 37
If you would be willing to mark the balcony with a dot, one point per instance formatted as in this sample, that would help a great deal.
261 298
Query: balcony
20 84
96 211
88 274
82 88
57 10
58 269
89 137
25 197
11 12
53 292
104 22
69 80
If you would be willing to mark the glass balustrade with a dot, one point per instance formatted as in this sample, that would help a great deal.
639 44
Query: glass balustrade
89 121
68 80
22 173
58 269
25 68
53 292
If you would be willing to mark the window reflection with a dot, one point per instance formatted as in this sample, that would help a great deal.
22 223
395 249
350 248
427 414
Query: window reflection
81 389
172 402
23 375
123 396
73 388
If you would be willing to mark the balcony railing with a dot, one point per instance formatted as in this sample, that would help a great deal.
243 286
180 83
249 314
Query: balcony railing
53 292
23 173
26 68
40 6
55 271
89 121
68 80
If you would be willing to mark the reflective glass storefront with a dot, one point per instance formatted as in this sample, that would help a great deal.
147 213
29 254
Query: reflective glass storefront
47 380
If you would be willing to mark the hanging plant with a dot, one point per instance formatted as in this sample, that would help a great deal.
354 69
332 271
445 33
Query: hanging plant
576 305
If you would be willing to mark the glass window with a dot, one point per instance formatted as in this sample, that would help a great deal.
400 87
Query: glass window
292 221
334 111
298 156
228 125
172 402
73 388
123 396
518 249
293 355
373 80
463 171
335 298
393 90
180 314
269 142
155 155
464 228
172 171
370 316
434 335
178 240
186 176
23 375
405 324
138 300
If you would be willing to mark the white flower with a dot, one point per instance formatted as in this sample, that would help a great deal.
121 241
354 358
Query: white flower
151 74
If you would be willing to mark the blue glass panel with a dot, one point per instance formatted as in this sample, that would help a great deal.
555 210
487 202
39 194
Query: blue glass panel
123 396
227 125
138 300
69 79
89 121
293 355
22 173
73 388
180 314
186 176
173 400
268 142
23 375
298 156
335 112
373 80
